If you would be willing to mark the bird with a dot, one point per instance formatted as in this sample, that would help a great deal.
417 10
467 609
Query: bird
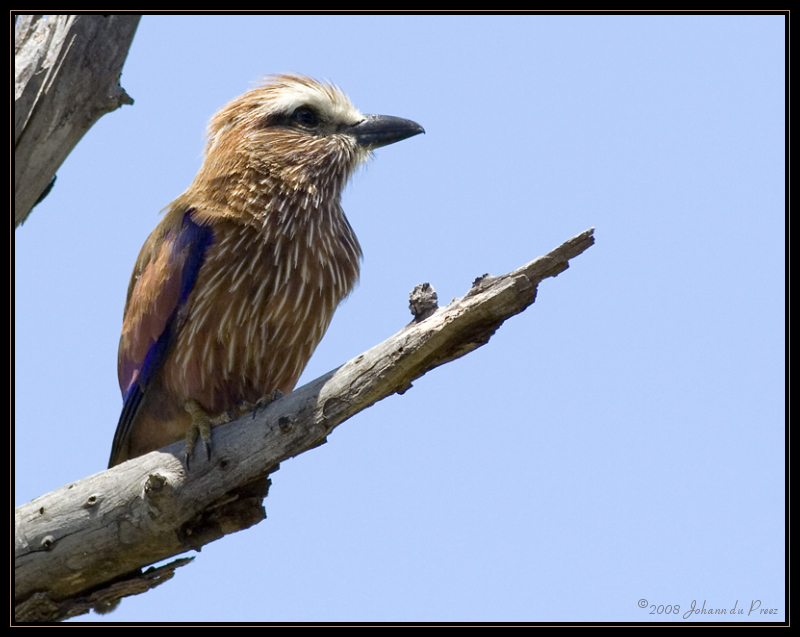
236 285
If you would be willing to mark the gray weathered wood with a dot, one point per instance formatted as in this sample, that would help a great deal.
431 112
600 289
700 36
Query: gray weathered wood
67 70
72 541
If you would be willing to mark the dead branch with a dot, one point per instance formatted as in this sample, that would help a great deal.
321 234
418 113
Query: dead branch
67 71
85 543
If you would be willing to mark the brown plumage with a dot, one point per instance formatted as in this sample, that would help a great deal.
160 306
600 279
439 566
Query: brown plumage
235 287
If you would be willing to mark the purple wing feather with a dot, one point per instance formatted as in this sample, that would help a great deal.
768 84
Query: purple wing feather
154 313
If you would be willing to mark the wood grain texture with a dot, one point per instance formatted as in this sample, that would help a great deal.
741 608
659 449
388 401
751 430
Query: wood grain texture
66 76
75 541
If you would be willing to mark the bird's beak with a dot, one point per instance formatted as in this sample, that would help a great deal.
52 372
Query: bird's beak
375 131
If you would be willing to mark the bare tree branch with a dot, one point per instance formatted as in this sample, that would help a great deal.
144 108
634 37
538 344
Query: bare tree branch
85 543
67 71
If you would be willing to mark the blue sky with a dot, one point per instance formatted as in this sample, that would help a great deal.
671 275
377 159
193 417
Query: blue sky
621 440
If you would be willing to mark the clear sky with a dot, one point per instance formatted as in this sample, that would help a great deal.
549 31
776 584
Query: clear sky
621 440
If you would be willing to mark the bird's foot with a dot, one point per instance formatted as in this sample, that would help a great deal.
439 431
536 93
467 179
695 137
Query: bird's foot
200 427
262 402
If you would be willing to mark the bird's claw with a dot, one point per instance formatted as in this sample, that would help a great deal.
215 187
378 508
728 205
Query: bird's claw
191 438
200 427
262 402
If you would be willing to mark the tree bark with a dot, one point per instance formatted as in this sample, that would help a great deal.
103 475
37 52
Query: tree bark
67 70
83 545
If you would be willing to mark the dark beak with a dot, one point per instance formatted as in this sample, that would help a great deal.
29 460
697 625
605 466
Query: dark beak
375 131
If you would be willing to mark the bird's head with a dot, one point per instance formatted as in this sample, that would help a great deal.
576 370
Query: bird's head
292 135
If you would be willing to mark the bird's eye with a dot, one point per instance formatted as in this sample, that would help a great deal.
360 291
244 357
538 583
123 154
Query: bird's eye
305 117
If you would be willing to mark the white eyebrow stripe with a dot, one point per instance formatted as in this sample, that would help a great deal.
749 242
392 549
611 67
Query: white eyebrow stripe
327 100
